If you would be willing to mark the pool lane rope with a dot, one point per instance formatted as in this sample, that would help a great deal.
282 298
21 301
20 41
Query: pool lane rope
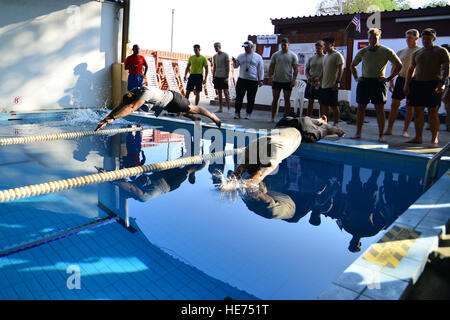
67 135
59 185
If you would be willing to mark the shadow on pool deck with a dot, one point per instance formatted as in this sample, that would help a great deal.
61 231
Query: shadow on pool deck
260 120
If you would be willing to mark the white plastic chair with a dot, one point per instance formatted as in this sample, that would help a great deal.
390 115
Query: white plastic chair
152 77
170 75
297 97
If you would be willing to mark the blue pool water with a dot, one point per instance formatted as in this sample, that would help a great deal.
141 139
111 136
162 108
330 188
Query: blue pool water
190 241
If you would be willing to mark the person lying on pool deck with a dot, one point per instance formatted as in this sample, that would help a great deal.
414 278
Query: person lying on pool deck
312 130
156 100
280 146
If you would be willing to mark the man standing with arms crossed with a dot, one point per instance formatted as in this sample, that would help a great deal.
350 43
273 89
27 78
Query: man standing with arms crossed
372 85
195 66
251 75
412 36
283 67
313 70
221 72
333 69
134 64
426 88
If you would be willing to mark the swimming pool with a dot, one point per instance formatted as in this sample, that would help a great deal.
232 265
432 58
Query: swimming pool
187 240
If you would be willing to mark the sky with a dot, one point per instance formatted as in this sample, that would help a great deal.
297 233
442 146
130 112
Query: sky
204 22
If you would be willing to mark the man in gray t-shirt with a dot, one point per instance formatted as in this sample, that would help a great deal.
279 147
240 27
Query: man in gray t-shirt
221 72
313 70
283 67
332 71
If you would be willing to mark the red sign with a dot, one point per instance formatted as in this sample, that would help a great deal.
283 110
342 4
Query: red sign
363 44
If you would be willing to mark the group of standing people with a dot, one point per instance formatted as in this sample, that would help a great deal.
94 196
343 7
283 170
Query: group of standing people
419 73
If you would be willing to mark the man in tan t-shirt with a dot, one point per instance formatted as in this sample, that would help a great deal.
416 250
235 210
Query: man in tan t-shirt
333 69
283 67
426 88
372 85
412 36
313 71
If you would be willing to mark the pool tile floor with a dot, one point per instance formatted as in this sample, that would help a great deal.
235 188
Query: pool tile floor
113 263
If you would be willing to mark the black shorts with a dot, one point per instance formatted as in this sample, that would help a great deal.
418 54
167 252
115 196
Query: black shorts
309 131
178 104
220 84
398 92
423 94
329 97
311 92
370 90
281 85
195 82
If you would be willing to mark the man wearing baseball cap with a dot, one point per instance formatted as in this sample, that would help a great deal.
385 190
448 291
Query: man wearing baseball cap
251 75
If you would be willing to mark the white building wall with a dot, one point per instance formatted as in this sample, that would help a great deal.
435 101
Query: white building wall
396 45
57 53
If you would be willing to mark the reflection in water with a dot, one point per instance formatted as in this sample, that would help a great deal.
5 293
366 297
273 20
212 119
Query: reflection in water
134 151
361 201
362 210
151 185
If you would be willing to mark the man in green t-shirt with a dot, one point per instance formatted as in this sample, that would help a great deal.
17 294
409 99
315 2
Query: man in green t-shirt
372 85
195 66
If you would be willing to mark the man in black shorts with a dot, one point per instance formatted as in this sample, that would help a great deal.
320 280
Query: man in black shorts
372 85
156 100
426 88
221 72
412 36
195 66
330 78
283 67
313 71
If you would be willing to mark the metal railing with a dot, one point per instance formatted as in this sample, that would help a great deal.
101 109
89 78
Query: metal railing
434 160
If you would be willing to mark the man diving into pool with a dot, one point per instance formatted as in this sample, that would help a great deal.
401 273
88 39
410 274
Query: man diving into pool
291 131
156 100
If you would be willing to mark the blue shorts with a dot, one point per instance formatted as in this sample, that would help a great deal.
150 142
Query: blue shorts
134 81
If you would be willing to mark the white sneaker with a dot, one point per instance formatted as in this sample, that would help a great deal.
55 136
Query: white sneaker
247 116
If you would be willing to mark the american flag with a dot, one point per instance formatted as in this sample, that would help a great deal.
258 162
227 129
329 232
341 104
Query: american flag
357 22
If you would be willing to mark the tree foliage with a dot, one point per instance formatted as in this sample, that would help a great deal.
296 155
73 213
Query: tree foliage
435 3
352 6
